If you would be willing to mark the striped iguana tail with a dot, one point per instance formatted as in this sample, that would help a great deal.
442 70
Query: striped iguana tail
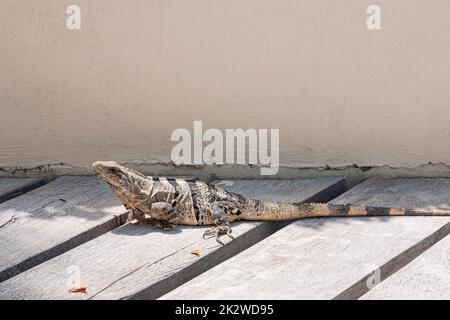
272 211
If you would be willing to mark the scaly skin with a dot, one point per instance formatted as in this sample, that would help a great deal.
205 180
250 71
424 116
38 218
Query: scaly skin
165 203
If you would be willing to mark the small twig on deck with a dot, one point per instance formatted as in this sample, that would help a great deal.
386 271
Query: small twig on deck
13 218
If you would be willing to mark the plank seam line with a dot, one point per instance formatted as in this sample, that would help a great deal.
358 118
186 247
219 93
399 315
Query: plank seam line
23 190
63 247
214 258
242 243
12 219
136 269
392 266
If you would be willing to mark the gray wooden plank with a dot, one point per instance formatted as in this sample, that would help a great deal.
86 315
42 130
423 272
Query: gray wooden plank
285 190
137 262
53 219
332 258
426 277
13 187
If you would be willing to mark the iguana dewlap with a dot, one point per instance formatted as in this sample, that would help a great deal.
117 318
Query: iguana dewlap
166 202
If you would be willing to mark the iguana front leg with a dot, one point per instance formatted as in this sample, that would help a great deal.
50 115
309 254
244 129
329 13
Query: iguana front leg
218 211
162 216
217 232
229 233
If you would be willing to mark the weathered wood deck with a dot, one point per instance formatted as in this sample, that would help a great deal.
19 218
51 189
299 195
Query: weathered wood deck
53 219
12 187
72 227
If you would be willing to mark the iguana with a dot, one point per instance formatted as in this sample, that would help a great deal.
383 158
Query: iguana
164 203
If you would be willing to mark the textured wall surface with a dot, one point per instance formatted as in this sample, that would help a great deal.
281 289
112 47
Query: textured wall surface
116 89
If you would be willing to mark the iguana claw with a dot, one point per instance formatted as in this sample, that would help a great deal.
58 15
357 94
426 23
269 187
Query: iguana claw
217 232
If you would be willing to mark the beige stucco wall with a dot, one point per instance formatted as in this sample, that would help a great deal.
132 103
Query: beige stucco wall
138 69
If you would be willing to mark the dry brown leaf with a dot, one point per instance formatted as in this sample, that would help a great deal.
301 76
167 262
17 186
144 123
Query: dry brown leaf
78 290
196 253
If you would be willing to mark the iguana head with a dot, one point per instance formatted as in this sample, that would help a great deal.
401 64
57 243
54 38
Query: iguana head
118 176
133 188
140 194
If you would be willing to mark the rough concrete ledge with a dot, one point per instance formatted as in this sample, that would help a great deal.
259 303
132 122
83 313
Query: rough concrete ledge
354 174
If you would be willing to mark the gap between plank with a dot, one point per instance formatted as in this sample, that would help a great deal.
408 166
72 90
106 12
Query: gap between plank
359 288
233 248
